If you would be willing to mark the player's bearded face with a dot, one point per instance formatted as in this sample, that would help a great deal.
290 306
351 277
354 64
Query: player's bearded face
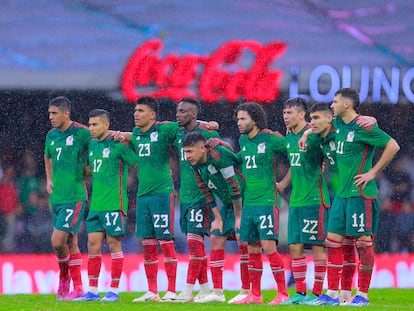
244 122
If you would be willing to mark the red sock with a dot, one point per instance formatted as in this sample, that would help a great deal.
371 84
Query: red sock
202 277
320 272
244 267
63 266
116 269
349 268
94 268
75 263
196 250
216 267
366 258
278 270
151 263
299 273
170 262
255 273
335 263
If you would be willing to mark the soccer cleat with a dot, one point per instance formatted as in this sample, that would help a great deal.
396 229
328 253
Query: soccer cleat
250 299
110 297
214 296
63 289
88 297
324 300
168 297
358 301
243 294
201 295
280 298
309 298
73 295
147 297
296 299
184 297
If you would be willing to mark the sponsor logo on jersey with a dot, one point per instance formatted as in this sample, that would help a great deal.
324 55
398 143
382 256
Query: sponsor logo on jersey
350 136
117 229
106 152
91 153
270 232
52 143
69 140
154 136
312 237
166 231
243 149
138 138
337 131
66 225
261 148
361 229
199 226
288 145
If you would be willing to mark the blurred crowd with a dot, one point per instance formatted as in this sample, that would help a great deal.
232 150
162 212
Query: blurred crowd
26 219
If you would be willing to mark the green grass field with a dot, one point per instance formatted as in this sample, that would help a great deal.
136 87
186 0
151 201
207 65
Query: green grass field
380 299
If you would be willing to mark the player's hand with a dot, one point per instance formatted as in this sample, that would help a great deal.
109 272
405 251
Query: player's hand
302 142
366 121
212 125
364 179
237 223
213 142
217 224
49 187
118 136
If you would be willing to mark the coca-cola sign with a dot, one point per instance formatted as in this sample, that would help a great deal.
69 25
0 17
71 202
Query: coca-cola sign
210 78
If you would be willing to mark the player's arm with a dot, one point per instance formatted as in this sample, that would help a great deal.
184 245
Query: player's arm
48 168
366 121
303 140
209 125
214 142
390 150
217 223
285 182
120 136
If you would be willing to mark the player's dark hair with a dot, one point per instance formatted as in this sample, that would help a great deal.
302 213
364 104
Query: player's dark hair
148 101
193 138
350 94
191 101
320 107
99 113
255 111
62 102
297 102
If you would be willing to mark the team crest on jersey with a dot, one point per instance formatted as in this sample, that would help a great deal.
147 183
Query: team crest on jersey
332 145
261 148
69 140
211 169
154 136
350 136
105 152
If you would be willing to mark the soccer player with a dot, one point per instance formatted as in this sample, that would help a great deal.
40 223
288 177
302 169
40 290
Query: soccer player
260 217
215 169
64 151
194 215
321 120
309 202
107 218
155 198
356 206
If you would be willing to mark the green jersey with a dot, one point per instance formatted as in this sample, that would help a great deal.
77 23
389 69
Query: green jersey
152 148
109 162
67 152
189 192
259 166
328 148
220 176
355 149
308 183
